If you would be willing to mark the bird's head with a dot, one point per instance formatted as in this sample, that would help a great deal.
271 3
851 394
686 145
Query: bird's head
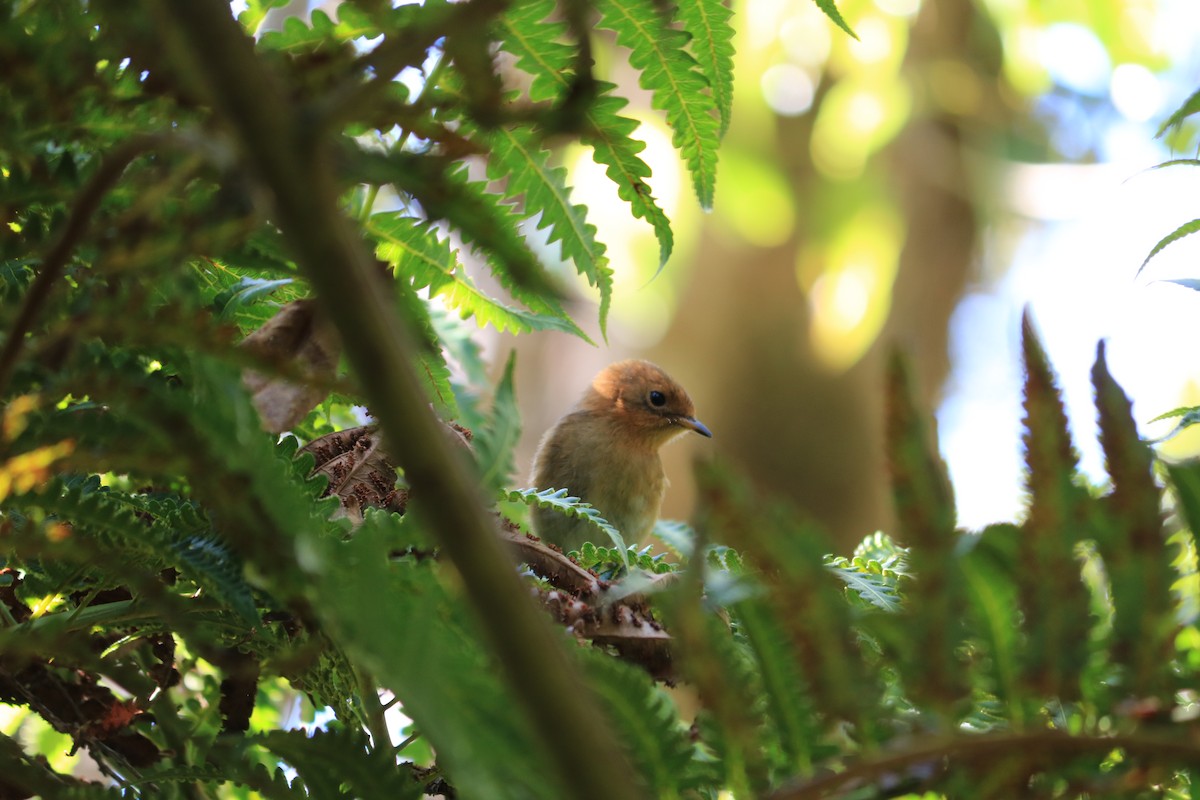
644 401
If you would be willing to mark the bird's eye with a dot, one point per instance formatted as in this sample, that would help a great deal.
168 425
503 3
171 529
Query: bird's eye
658 399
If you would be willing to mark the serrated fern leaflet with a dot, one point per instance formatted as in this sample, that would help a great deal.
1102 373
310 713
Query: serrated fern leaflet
561 501
677 86
414 249
539 50
712 44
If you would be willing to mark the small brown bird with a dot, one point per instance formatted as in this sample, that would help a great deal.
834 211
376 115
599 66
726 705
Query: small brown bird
606 451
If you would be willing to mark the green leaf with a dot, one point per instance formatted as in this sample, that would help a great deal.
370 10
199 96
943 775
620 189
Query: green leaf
924 502
789 554
246 291
712 44
1187 418
1178 162
1053 598
992 594
413 248
832 12
256 11
1189 107
177 536
495 442
1134 546
431 656
788 705
677 535
561 501
676 84
1187 283
874 588
646 720
432 370
327 761
1186 229
517 156
530 33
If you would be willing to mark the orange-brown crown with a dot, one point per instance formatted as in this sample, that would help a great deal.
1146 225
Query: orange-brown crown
643 400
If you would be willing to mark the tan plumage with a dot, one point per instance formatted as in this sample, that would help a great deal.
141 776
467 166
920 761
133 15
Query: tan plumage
606 451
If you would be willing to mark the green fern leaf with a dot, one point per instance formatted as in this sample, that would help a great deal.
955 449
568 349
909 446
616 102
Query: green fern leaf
874 588
492 228
992 596
1186 229
790 556
536 43
712 44
1189 107
1134 545
431 657
432 369
924 502
327 761
494 443
1178 162
678 87
561 501
832 12
610 136
788 707
646 720
1053 598
516 155
414 249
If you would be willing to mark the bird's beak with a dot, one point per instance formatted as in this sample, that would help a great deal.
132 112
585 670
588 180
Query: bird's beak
695 424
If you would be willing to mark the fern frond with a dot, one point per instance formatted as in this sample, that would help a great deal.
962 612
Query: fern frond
678 87
832 12
517 156
788 707
1189 107
992 600
561 501
1186 229
647 722
1134 544
875 587
432 658
178 537
924 502
535 40
712 43
330 763
432 369
494 443
413 248
1053 597
492 228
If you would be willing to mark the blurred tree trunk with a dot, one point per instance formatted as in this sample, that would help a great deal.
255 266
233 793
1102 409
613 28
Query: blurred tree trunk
799 430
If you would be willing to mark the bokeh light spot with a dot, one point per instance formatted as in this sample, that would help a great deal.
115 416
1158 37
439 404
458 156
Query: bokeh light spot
787 89
1136 92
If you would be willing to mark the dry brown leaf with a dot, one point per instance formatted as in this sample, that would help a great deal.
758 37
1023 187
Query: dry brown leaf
300 338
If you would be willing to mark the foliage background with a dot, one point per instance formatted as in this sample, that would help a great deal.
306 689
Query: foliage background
175 581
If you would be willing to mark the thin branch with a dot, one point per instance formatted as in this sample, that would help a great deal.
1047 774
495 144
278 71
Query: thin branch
54 263
297 170
368 695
